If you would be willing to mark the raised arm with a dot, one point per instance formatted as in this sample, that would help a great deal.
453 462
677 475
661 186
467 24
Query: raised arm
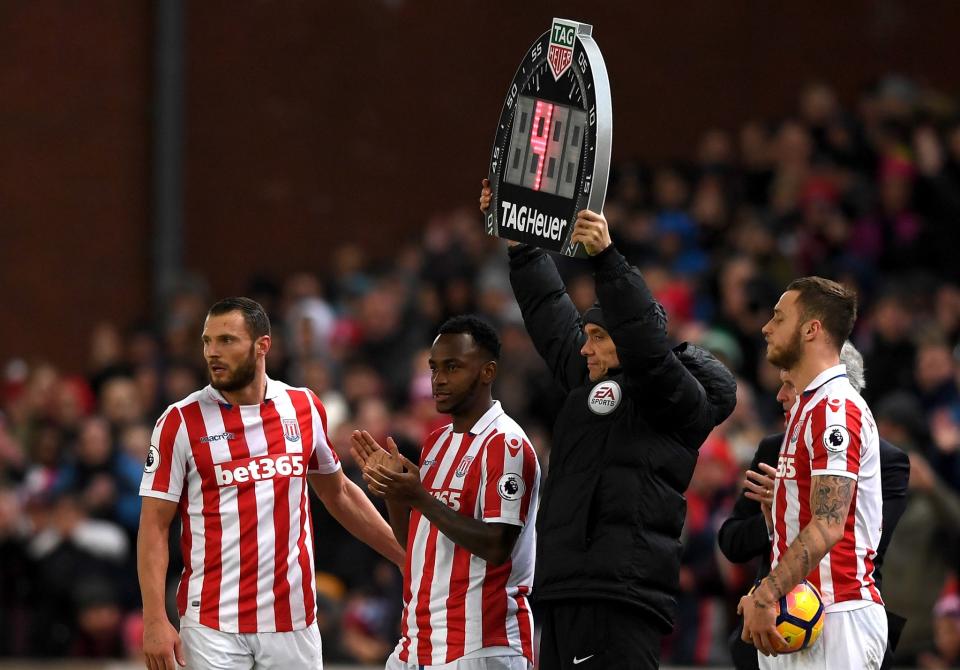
550 317
637 324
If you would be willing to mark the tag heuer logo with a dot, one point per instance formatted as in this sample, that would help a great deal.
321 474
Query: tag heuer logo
560 55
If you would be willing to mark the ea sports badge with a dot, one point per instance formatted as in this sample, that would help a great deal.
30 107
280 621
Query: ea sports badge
604 397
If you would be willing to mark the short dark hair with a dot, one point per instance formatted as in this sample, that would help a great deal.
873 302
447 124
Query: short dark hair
833 304
482 332
258 323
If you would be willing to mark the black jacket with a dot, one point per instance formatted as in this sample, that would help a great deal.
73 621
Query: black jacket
612 506
744 535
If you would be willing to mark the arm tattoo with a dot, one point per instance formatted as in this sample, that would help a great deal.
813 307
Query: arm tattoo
829 502
830 498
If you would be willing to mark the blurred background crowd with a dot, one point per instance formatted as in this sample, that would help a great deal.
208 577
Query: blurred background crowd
869 195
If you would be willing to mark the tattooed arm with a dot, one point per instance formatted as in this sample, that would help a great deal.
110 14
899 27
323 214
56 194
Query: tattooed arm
830 497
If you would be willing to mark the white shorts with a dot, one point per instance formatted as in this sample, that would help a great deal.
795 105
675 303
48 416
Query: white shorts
209 649
851 639
488 663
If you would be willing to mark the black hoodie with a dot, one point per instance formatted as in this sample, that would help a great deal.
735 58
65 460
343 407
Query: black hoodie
624 447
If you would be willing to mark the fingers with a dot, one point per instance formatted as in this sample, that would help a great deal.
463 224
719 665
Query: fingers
178 652
409 466
149 662
762 480
392 447
767 639
374 486
768 470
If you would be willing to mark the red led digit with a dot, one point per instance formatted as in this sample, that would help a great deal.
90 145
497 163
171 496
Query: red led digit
539 134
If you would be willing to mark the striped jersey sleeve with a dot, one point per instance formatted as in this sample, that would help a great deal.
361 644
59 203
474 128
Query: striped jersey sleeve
324 459
165 468
507 479
834 438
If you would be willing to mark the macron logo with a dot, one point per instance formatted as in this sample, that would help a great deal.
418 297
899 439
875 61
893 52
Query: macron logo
259 469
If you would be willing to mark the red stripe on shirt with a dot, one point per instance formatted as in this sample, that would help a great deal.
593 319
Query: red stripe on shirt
247 511
818 425
780 521
301 403
493 461
414 521
212 524
168 435
855 445
843 559
424 628
529 474
523 621
495 604
871 584
276 444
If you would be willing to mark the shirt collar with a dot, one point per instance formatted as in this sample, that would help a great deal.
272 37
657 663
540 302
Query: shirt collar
825 376
489 417
273 390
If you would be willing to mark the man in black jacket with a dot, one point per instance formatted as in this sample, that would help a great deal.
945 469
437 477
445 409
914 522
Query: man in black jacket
745 535
624 448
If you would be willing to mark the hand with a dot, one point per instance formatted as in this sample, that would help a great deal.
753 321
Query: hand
591 230
161 645
945 430
485 195
363 447
759 487
402 485
760 623
922 476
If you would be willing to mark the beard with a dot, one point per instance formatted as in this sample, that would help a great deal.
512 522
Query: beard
241 377
787 357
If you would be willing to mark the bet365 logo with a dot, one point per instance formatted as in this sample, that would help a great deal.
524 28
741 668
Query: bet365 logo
562 37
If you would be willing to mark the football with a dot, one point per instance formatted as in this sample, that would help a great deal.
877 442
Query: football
799 617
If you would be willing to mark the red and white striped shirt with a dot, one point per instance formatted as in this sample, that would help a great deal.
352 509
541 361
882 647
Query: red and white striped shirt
239 476
455 604
831 431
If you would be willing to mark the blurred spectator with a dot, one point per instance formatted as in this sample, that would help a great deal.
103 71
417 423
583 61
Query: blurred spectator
924 550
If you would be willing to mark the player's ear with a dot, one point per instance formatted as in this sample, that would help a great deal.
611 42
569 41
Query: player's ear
488 372
263 345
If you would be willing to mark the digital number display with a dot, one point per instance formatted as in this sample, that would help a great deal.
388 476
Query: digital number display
545 144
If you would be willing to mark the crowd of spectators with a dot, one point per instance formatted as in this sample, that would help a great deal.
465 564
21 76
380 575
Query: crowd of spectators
869 195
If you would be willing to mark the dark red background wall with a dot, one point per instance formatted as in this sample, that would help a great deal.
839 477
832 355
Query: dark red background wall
308 123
